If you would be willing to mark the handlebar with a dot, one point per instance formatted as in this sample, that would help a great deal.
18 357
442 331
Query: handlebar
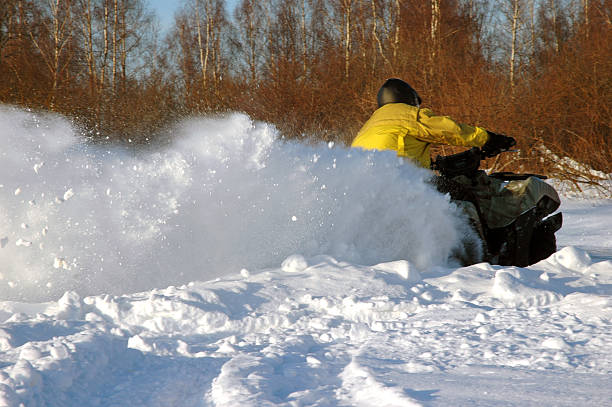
464 163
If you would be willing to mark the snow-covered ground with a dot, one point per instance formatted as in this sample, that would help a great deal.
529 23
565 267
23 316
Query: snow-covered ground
296 275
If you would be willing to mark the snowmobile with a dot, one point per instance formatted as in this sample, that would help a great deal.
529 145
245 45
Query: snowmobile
512 213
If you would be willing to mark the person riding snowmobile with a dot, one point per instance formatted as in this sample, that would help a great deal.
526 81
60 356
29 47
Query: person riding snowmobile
510 212
400 124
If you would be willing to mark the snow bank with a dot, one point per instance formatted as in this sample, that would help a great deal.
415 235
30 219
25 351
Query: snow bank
226 194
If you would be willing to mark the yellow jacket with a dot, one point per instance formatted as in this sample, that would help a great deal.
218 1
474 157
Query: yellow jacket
410 130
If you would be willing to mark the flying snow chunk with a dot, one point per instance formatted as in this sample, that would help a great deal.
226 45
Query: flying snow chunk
59 262
22 242
68 194
294 264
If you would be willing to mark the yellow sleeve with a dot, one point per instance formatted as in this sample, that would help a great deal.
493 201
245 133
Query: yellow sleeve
444 130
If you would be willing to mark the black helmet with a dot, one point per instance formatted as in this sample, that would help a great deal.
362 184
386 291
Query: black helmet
397 91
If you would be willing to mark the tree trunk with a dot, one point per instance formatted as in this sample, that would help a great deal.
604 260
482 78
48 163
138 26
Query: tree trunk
347 12
87 29
553 9
397 30
435 27
60 36
123 48
203 57
106 49
115 29
532 44
252 50
303 34
209 39
434 35
585 8
375 33
515 24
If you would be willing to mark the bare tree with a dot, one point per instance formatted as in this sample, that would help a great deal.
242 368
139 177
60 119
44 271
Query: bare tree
249 17
8 16
435 28
346 8
105 44
532 27
375 33
209 17
396 40
554 21
516 8
115 36
303 35
586 13
203 49
554 27
54 52
286 43
86 17
186 62
510 37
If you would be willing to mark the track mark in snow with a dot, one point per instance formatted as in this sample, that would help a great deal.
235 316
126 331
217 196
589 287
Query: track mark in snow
511 288
360 388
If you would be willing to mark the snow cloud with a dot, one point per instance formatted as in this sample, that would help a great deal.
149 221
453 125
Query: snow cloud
227 193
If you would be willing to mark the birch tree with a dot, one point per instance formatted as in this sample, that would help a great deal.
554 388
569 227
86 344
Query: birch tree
515 20
249 19
85 18
586 14
345 11
511 36
209 17
435 29
8 17
375 36
54 48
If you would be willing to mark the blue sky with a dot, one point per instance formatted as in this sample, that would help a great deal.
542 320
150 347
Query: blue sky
165 9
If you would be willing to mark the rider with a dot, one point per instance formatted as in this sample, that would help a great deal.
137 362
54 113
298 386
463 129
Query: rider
400 124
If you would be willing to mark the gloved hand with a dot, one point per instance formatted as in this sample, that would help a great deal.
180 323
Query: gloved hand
496 144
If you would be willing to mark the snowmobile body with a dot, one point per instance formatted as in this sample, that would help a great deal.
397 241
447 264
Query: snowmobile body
513 210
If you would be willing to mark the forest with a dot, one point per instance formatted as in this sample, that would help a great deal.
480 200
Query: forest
538 70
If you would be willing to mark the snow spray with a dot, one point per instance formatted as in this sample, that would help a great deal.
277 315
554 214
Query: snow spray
226 193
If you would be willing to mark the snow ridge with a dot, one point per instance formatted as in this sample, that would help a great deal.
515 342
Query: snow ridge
331 333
